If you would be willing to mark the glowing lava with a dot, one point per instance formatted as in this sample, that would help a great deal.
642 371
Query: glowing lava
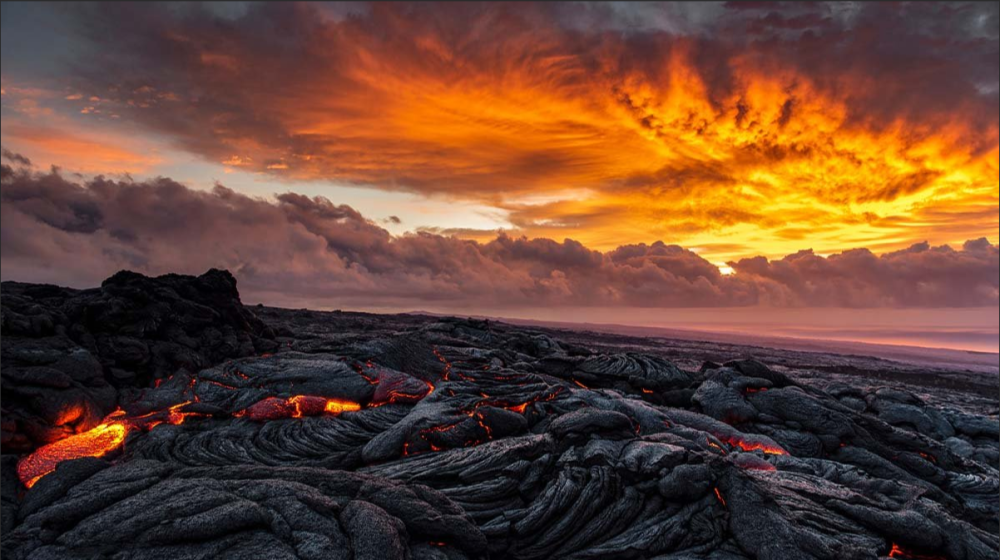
448 370
391 387
520 408
96 442
900 552
298 406
172 415
111 433
476 415
746 445
718 495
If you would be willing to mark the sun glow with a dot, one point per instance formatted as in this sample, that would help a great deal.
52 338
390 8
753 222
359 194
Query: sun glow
607 141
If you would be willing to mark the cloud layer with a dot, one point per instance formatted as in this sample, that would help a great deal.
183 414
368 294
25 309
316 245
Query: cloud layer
295 248
853 124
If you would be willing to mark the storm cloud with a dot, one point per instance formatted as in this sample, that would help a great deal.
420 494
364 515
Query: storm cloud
295 248
608 123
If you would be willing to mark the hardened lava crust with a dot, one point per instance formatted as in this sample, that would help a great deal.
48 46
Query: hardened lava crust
161 418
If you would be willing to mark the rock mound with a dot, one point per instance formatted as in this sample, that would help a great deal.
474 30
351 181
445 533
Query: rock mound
68 354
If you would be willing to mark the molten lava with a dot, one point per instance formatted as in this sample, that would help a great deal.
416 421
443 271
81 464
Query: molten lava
298 406
718 495
448 369
395 396
391 387
473 412
520 408
96 442
172 415
753 445
904 554
715 446
334 406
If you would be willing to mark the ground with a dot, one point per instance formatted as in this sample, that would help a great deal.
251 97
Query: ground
160 418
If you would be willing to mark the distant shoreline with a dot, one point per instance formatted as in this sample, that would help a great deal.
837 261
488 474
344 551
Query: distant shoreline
974 360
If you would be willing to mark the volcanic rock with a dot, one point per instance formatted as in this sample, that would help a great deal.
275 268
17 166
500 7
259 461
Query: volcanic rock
67 354
363 436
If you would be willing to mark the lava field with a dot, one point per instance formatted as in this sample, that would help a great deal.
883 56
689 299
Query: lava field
161 418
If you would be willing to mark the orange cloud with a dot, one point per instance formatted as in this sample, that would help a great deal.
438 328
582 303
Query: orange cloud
306 249
80 152
786 133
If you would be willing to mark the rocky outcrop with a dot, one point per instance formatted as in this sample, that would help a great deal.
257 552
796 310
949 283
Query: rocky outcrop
68 354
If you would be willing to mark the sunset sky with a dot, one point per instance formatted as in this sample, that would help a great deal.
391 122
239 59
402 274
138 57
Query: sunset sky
501 156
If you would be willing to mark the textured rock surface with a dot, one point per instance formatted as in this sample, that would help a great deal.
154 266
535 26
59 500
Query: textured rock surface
67 354
369 436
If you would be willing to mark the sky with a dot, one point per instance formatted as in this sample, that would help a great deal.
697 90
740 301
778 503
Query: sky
512 156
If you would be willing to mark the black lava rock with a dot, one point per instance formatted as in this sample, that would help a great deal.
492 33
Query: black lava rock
360 436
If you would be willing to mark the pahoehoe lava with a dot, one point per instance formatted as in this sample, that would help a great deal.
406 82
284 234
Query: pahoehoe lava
161 418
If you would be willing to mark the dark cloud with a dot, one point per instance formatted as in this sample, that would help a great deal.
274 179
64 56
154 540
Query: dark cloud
298 248
606 122
16 158
177 68
920 276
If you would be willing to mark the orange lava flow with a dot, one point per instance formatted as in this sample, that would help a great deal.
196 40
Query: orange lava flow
715 445
112 432
446 373
395 396
899 552
520 408
96 442
298 406
753 446
719 496
172 415
334 406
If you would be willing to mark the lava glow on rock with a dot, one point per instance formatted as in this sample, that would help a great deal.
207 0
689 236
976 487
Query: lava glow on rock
899 552
96 442
111 433
747 445
298 406
510 460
